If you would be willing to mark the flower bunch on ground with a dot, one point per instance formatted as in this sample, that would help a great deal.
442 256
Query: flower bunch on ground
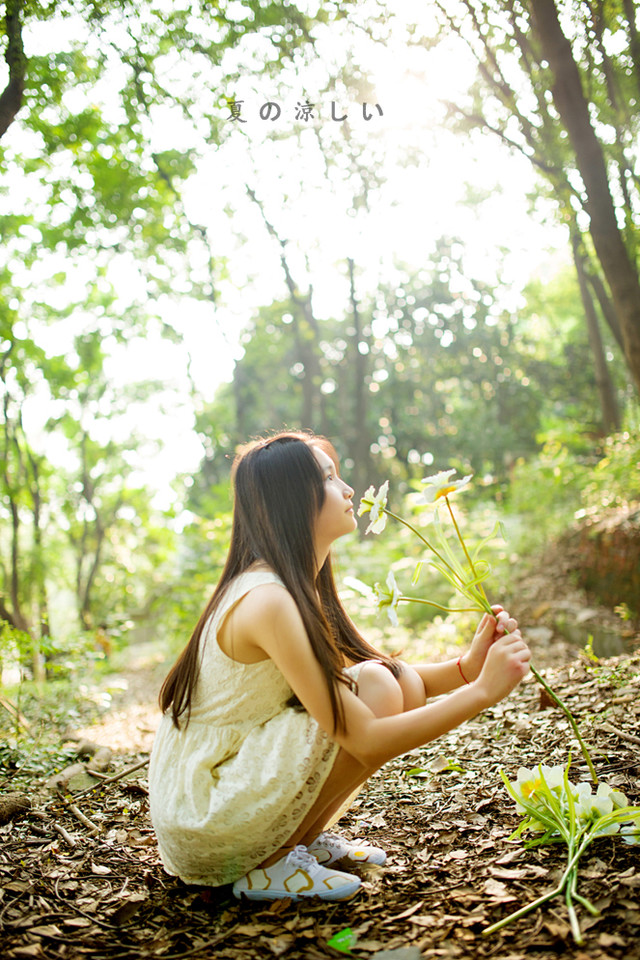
558 811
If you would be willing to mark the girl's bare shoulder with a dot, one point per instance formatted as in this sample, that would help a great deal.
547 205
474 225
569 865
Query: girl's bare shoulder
263 603
260 613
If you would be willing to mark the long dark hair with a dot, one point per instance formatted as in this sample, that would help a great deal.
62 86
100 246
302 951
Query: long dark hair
279 491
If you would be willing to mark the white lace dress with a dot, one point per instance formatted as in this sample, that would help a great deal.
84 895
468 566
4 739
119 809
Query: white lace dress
230 788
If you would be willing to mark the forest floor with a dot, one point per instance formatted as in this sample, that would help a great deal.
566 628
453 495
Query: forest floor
94 888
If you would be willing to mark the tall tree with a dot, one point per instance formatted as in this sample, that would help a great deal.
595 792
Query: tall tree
304 326
25 477
558 82
11 96
618 262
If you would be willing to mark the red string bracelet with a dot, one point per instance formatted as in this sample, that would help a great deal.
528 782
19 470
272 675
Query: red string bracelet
460 669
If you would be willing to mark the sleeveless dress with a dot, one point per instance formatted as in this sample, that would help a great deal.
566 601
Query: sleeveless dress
228 789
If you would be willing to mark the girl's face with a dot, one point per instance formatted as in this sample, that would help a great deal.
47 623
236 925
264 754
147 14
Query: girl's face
336 516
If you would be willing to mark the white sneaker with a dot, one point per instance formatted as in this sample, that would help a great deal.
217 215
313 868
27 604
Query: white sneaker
329 847
296 875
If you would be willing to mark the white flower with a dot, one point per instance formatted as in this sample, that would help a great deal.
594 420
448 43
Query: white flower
389 596
375 503
630 832
593 806
441 485
617 798
529 784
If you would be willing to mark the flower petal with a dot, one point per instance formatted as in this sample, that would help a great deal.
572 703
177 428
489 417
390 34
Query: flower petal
375 505
441 485
389 596
378 524
366 501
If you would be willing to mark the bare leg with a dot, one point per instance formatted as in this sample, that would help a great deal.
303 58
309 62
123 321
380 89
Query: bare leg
384 695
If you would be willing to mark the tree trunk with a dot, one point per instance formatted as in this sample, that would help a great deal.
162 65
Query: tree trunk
38 657
608 401
240 401
603 298
306 331
85 611
11 97
573 108
18 618
359 446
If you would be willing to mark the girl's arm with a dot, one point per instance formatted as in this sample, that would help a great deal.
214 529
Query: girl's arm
268 619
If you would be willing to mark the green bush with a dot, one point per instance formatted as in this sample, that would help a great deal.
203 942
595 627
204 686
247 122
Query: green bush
571 478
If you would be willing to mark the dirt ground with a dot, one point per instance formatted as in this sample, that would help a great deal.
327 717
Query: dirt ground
80 875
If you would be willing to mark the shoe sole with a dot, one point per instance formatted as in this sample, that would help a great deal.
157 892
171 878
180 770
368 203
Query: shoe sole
265 895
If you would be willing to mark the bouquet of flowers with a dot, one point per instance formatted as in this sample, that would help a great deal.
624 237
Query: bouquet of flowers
465 571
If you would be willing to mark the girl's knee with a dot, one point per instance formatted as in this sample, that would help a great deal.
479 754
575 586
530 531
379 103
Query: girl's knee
413 691
379 689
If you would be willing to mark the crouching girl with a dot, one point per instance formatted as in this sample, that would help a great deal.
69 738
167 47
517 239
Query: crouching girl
278 709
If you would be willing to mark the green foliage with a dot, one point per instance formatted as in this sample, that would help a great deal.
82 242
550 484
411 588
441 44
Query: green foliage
28 759
53 709
432 376
14 643
615 480
203 544
572 478
31 762
611 673
545 493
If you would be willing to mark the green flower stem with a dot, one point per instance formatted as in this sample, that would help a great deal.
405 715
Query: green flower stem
568 883
426 543
543 683
586 904
438 606
565 709
556 699
523 911
481 596
463 544
573 918
571 873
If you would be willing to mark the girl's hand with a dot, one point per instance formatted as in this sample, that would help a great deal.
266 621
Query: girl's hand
506 664
489 630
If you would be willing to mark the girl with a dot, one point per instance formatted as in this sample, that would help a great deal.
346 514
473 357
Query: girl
277 709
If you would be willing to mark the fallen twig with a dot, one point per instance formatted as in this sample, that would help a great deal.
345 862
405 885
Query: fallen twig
609 728
65 836
79 815
201 946
118 776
